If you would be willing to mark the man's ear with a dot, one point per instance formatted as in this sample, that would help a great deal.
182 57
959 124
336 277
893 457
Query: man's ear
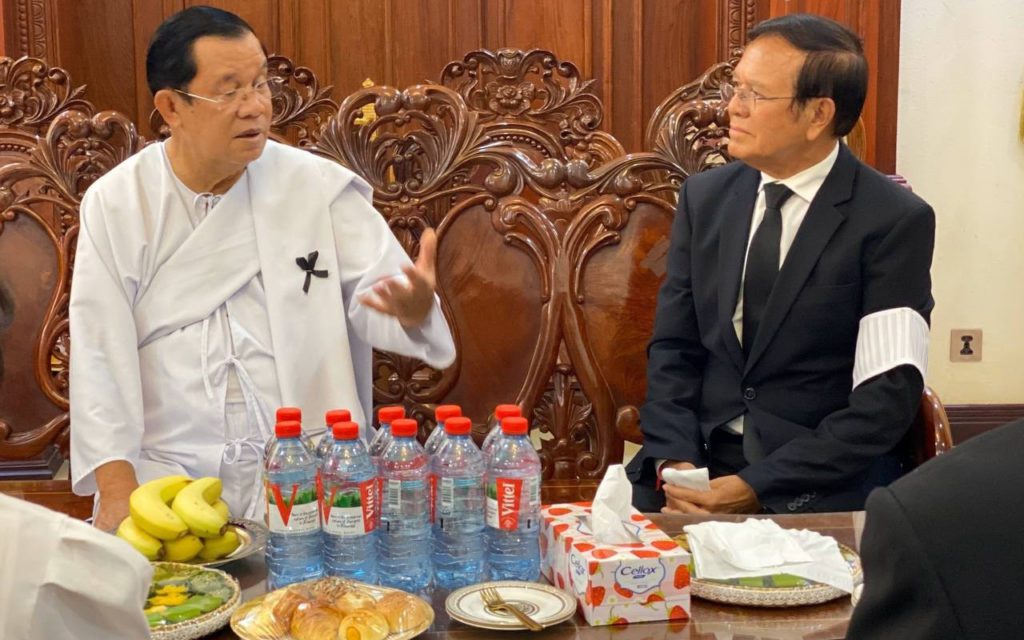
165 103
822 116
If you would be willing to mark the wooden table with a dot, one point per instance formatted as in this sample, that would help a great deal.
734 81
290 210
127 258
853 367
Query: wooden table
709 621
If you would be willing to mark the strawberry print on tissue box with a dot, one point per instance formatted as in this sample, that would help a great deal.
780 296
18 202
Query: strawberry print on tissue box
615 583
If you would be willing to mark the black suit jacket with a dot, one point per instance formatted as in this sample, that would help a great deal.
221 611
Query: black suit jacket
942 549
865 245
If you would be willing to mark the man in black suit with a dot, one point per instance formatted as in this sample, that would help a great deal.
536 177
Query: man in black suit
941 550
791 331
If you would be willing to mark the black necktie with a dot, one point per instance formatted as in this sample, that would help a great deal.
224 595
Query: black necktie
762 262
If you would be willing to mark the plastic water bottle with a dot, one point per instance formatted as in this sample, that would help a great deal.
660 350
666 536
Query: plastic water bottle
381 439
293 514
331 418
403 541
501 412
437 437
350 506
458 530
513 505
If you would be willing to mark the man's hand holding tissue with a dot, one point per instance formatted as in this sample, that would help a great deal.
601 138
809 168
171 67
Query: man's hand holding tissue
728 494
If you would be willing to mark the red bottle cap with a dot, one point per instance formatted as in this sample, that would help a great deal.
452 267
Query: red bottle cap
345 430
390 414
503 411
284 414
335 416
446 411
458 426
515 426
288 429
404 427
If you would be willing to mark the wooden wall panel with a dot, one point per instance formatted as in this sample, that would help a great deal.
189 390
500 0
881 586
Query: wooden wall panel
433 47
562 27
87 37
637 51
357 53
674 48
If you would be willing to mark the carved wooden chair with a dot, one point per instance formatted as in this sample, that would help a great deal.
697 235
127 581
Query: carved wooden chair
547 255
52 147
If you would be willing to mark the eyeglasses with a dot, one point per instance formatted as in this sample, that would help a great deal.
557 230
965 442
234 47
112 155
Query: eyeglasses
261 88
748 97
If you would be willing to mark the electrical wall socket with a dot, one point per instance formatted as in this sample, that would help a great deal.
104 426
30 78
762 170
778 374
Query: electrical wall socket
965 345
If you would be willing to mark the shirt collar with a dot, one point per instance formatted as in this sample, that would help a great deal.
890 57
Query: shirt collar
807 182
187 193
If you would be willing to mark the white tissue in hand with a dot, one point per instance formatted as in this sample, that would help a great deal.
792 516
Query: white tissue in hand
610 506
695 479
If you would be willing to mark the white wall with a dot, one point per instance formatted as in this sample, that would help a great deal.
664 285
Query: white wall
961 88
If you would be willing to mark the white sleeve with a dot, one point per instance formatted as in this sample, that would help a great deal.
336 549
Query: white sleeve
105 383
887 339
77 582
368 252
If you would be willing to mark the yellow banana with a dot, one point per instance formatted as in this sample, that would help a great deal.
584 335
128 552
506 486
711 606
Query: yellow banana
182 549
222 509
144 543
194 504
148 505
214 548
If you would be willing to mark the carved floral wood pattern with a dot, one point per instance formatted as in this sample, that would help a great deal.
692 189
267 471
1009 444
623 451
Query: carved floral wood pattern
42 180
532 89
529 199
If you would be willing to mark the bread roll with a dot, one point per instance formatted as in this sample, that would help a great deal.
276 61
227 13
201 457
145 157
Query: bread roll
315 622
363 624
403 611
353 600
331 588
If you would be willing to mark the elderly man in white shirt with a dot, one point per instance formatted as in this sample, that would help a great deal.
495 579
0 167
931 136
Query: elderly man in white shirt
219 275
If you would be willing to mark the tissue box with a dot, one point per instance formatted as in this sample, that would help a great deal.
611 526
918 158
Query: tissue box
615 584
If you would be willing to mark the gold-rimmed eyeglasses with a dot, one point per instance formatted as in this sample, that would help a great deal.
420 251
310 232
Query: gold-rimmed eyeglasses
261 88
748 97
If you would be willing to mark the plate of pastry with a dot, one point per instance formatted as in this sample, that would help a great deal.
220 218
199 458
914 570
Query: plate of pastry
186 601
779 590
330 608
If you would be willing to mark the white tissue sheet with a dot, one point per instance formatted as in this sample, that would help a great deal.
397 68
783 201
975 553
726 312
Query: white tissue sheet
611 506
726 550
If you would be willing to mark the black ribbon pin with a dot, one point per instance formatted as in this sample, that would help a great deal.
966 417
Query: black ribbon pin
308 264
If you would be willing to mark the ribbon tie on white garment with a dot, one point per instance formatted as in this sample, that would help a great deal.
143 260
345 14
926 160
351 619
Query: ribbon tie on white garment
235 449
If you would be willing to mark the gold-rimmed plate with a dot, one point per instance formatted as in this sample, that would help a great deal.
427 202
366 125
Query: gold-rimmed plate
779 590
546 604
252 536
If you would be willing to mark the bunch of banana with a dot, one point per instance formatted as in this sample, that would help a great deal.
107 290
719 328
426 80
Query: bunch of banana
177 519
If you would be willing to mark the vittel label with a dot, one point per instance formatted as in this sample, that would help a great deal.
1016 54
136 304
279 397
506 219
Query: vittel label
351 509
505 499
639 577
293 508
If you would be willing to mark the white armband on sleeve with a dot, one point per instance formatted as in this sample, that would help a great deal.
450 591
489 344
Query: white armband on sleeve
887 339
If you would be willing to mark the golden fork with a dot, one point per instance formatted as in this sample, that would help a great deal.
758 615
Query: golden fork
493 601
